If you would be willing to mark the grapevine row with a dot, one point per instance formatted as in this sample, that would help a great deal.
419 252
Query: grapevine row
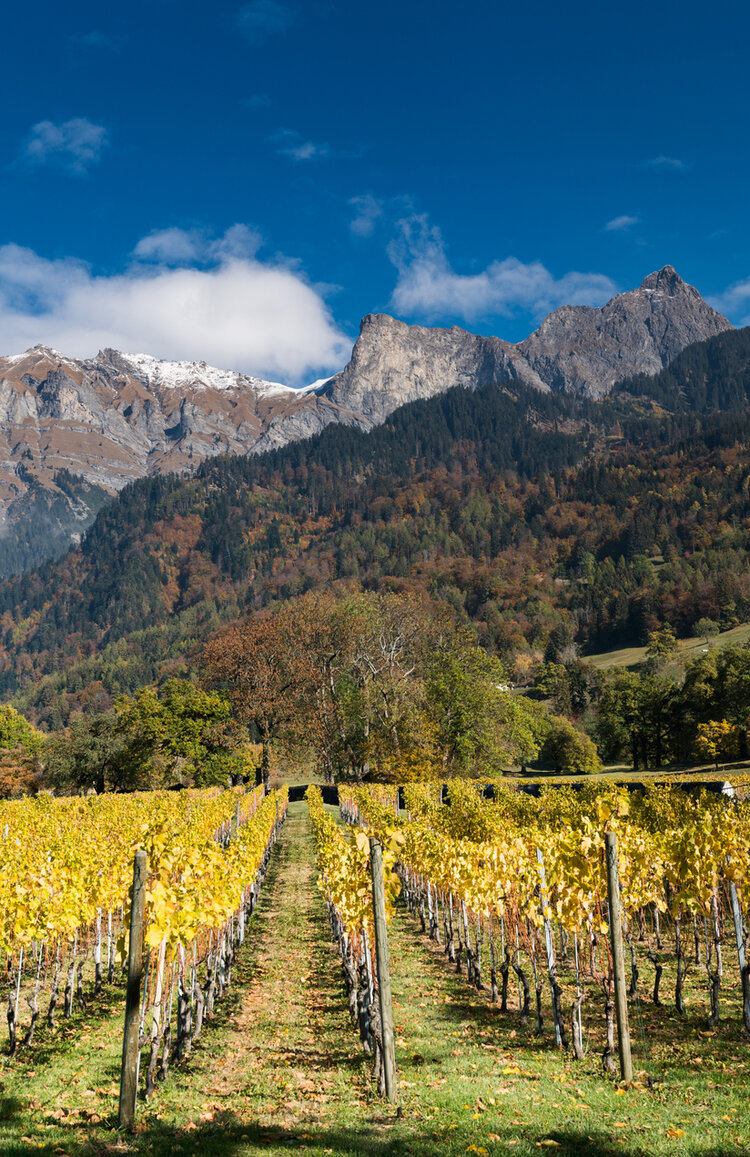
199 898
65 874
345 881
512 876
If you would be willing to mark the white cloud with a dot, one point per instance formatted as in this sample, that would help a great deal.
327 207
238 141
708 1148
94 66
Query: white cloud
621 224
196 247
666 163
429 287
75 145
291 144
261 19
170 246
305 151
367 212
734 302
236 311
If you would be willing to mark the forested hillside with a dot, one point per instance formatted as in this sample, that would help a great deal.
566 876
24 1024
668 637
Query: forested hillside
42 521
708 375
546 521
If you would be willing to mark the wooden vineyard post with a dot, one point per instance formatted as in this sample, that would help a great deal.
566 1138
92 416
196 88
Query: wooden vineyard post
130 1050
550 950
740 938
618 959
384 976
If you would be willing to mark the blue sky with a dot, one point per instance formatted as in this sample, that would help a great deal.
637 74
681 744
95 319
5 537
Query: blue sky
241 182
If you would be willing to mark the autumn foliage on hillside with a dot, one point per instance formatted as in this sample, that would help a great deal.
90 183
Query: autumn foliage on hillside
549 524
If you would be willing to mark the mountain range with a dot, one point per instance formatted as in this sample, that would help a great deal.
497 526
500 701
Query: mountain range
74 432
543 520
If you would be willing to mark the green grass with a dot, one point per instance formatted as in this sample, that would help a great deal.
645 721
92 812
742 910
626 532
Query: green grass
279 1068
736 772
688 649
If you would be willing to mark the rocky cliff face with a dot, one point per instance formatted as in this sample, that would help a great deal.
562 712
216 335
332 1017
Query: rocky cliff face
393 363
107 420
576 349
116 417
585 351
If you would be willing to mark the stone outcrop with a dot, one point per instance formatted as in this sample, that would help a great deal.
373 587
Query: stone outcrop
577 349
585 351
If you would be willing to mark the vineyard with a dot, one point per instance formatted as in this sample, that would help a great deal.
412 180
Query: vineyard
66 868
517 887
257 1035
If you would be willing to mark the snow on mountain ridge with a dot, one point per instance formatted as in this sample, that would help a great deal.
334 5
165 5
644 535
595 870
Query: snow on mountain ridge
173 375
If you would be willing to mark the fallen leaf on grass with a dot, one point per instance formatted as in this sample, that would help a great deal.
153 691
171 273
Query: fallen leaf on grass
672 1132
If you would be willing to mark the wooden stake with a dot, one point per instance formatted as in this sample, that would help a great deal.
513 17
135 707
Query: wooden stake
548 943
384 976
618 959
130 1044
740 939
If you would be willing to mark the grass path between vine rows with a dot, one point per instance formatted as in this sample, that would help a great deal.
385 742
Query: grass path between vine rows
279 1069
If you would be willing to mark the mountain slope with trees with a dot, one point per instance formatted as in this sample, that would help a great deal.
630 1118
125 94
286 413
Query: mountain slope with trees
108 420
547 522
707 376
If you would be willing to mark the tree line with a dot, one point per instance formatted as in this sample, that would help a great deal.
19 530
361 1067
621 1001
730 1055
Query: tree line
659 713
382 687
387 687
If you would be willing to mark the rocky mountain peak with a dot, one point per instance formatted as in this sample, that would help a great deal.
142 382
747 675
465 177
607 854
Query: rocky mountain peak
120 416
667 280
587 350
576 349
